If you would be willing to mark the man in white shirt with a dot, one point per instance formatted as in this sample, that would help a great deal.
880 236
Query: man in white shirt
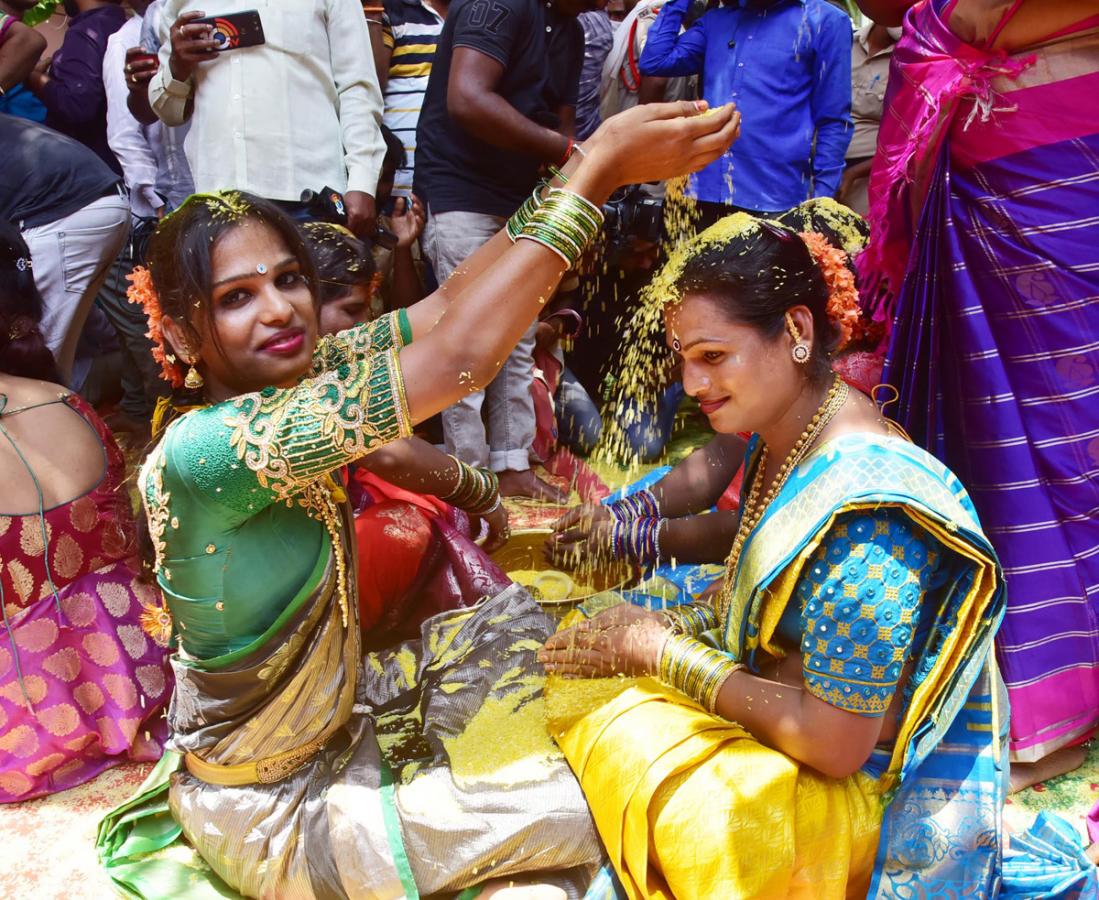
299 112
136 147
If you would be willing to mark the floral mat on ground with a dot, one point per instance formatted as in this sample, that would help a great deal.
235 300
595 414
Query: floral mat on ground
48 846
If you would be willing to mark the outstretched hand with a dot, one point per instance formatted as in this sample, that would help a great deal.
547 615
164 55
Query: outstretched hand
623 640
657 141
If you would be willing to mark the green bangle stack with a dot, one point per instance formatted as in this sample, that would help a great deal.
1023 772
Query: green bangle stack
692 619
477 491
565 223
695 669
524 213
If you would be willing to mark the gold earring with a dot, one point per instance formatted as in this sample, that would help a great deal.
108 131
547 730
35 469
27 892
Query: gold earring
193 380
801 351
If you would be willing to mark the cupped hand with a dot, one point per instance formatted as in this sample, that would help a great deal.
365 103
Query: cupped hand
624 640
657 141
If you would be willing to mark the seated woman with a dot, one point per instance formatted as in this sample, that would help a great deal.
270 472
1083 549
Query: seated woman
669 522
277 776
417 509
81 686
832 716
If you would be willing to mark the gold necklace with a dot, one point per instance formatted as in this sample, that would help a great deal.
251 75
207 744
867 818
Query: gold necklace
752 511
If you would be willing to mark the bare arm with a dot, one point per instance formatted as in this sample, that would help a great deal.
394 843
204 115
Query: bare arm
698 481
886 12
494 306
19 54
834 742
415 465
472 101
652 89
381 43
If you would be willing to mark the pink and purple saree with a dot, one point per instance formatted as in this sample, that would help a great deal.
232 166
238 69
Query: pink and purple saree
985 251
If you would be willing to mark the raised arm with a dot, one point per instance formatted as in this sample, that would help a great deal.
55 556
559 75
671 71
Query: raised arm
464 351
669 53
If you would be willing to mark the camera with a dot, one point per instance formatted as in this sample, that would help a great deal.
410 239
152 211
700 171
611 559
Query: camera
632 213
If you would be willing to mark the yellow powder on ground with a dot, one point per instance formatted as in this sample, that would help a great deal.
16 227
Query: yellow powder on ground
406 659
506 742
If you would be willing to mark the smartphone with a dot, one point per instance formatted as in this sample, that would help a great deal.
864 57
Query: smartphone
236 30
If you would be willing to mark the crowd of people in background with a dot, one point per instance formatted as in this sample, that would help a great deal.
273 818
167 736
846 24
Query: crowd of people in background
384 146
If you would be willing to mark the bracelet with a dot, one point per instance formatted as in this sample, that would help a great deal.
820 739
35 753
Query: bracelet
638 504
568 152
637 540
565 223
695 669
691 619
524 213
477 491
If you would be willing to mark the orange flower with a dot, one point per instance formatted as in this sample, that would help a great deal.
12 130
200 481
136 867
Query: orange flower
843 297
156 622
142 292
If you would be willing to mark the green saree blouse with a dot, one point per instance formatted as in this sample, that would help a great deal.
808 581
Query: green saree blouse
235 534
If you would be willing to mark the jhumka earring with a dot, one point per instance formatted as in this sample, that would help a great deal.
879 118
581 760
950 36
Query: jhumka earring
801 351
193 380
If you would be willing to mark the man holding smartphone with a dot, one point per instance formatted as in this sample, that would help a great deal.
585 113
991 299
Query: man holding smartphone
296 106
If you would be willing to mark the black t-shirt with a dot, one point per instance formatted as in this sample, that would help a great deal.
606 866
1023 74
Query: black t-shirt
46 176
541 52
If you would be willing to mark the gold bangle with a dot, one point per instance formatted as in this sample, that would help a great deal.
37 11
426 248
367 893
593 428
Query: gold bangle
695 669
691 619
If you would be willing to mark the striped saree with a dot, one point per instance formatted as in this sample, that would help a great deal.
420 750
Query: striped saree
994 349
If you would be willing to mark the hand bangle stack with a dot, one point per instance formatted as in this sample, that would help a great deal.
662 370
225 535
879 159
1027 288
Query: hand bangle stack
691 619
477 491
565 223
524 213
637 540
695 669
638 504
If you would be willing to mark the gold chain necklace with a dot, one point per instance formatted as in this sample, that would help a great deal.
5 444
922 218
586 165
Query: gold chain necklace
752 511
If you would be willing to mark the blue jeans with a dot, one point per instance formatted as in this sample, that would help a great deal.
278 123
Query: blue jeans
648 436
579 424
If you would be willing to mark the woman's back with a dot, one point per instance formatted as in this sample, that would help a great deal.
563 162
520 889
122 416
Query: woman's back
62 495
54 442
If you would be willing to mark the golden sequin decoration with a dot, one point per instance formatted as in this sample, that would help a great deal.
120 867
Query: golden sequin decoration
151 484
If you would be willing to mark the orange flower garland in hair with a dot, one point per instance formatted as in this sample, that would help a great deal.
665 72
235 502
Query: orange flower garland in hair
843 297
142 292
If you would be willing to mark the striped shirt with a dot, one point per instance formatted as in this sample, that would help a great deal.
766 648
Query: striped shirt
411 31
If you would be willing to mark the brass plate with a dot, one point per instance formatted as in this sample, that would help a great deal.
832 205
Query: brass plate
524 551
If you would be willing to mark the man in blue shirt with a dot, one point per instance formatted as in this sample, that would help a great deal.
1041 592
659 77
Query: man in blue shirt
786 64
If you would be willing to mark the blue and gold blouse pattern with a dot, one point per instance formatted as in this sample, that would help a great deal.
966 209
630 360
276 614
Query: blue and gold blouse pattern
861 595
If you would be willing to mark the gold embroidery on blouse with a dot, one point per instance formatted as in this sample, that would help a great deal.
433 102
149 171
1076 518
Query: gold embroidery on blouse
156 500
291 438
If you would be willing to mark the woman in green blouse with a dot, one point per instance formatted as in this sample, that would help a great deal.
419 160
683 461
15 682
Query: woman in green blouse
275 773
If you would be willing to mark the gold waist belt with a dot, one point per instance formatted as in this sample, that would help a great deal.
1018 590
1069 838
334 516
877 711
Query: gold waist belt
263 771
